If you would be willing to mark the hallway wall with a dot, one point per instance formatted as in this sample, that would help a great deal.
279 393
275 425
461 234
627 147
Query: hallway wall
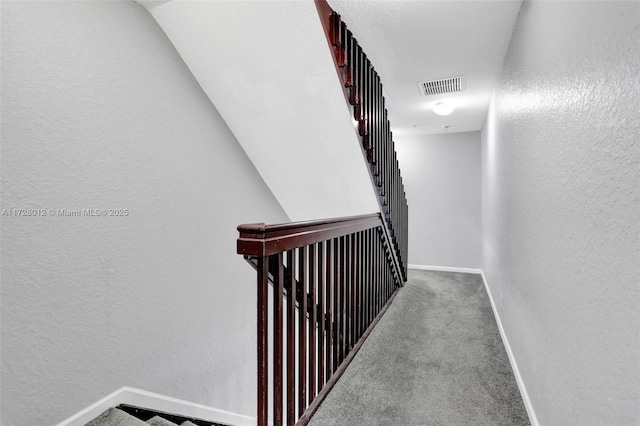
441 174
100 112
561 191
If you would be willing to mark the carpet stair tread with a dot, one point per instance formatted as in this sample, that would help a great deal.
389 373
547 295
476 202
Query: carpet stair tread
116 417
121 416
159 421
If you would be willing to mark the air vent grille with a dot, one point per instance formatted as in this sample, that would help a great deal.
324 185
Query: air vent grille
444 85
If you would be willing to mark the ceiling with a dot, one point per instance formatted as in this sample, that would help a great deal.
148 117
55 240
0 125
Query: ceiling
414 41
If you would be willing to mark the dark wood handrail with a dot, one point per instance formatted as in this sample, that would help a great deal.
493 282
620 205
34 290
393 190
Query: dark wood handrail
258 239
261 227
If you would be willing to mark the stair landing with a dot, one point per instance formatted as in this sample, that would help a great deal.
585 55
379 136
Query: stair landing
435 358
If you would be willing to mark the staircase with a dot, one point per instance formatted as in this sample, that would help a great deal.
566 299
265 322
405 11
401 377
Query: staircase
323 285
307 106
126 415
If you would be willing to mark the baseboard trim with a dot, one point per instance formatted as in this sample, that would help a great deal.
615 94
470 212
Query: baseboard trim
157 402
445 269
514 365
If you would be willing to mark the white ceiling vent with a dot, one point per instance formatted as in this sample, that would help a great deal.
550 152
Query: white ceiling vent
444 85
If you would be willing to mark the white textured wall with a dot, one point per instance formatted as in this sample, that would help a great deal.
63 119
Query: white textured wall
99 111
561 209
441 174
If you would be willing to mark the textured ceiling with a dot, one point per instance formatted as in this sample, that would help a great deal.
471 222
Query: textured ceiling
413 41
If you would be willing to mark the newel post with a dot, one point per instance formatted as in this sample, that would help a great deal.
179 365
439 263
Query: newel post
250 244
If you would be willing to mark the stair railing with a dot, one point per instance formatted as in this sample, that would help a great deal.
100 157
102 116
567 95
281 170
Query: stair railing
332 281
362 88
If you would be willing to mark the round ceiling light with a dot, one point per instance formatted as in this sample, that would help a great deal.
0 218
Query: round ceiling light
443 108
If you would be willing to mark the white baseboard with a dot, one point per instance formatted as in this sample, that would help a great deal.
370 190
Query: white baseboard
445 269
157 402
514 366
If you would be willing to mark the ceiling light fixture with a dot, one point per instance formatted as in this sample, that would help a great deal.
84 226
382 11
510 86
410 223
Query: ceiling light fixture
443 108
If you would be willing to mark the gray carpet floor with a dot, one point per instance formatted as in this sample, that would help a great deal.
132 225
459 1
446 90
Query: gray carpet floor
435 358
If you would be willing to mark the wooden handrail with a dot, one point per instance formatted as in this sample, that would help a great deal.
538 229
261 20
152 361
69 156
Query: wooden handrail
258 239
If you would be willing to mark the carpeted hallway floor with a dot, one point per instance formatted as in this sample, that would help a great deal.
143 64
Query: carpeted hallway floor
435 358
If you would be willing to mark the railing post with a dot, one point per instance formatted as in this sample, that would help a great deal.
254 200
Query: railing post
291 337
302 331
262 343
312 323
277 344
329 325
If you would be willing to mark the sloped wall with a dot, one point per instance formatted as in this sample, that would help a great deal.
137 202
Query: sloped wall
100 112
561 196
268 69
